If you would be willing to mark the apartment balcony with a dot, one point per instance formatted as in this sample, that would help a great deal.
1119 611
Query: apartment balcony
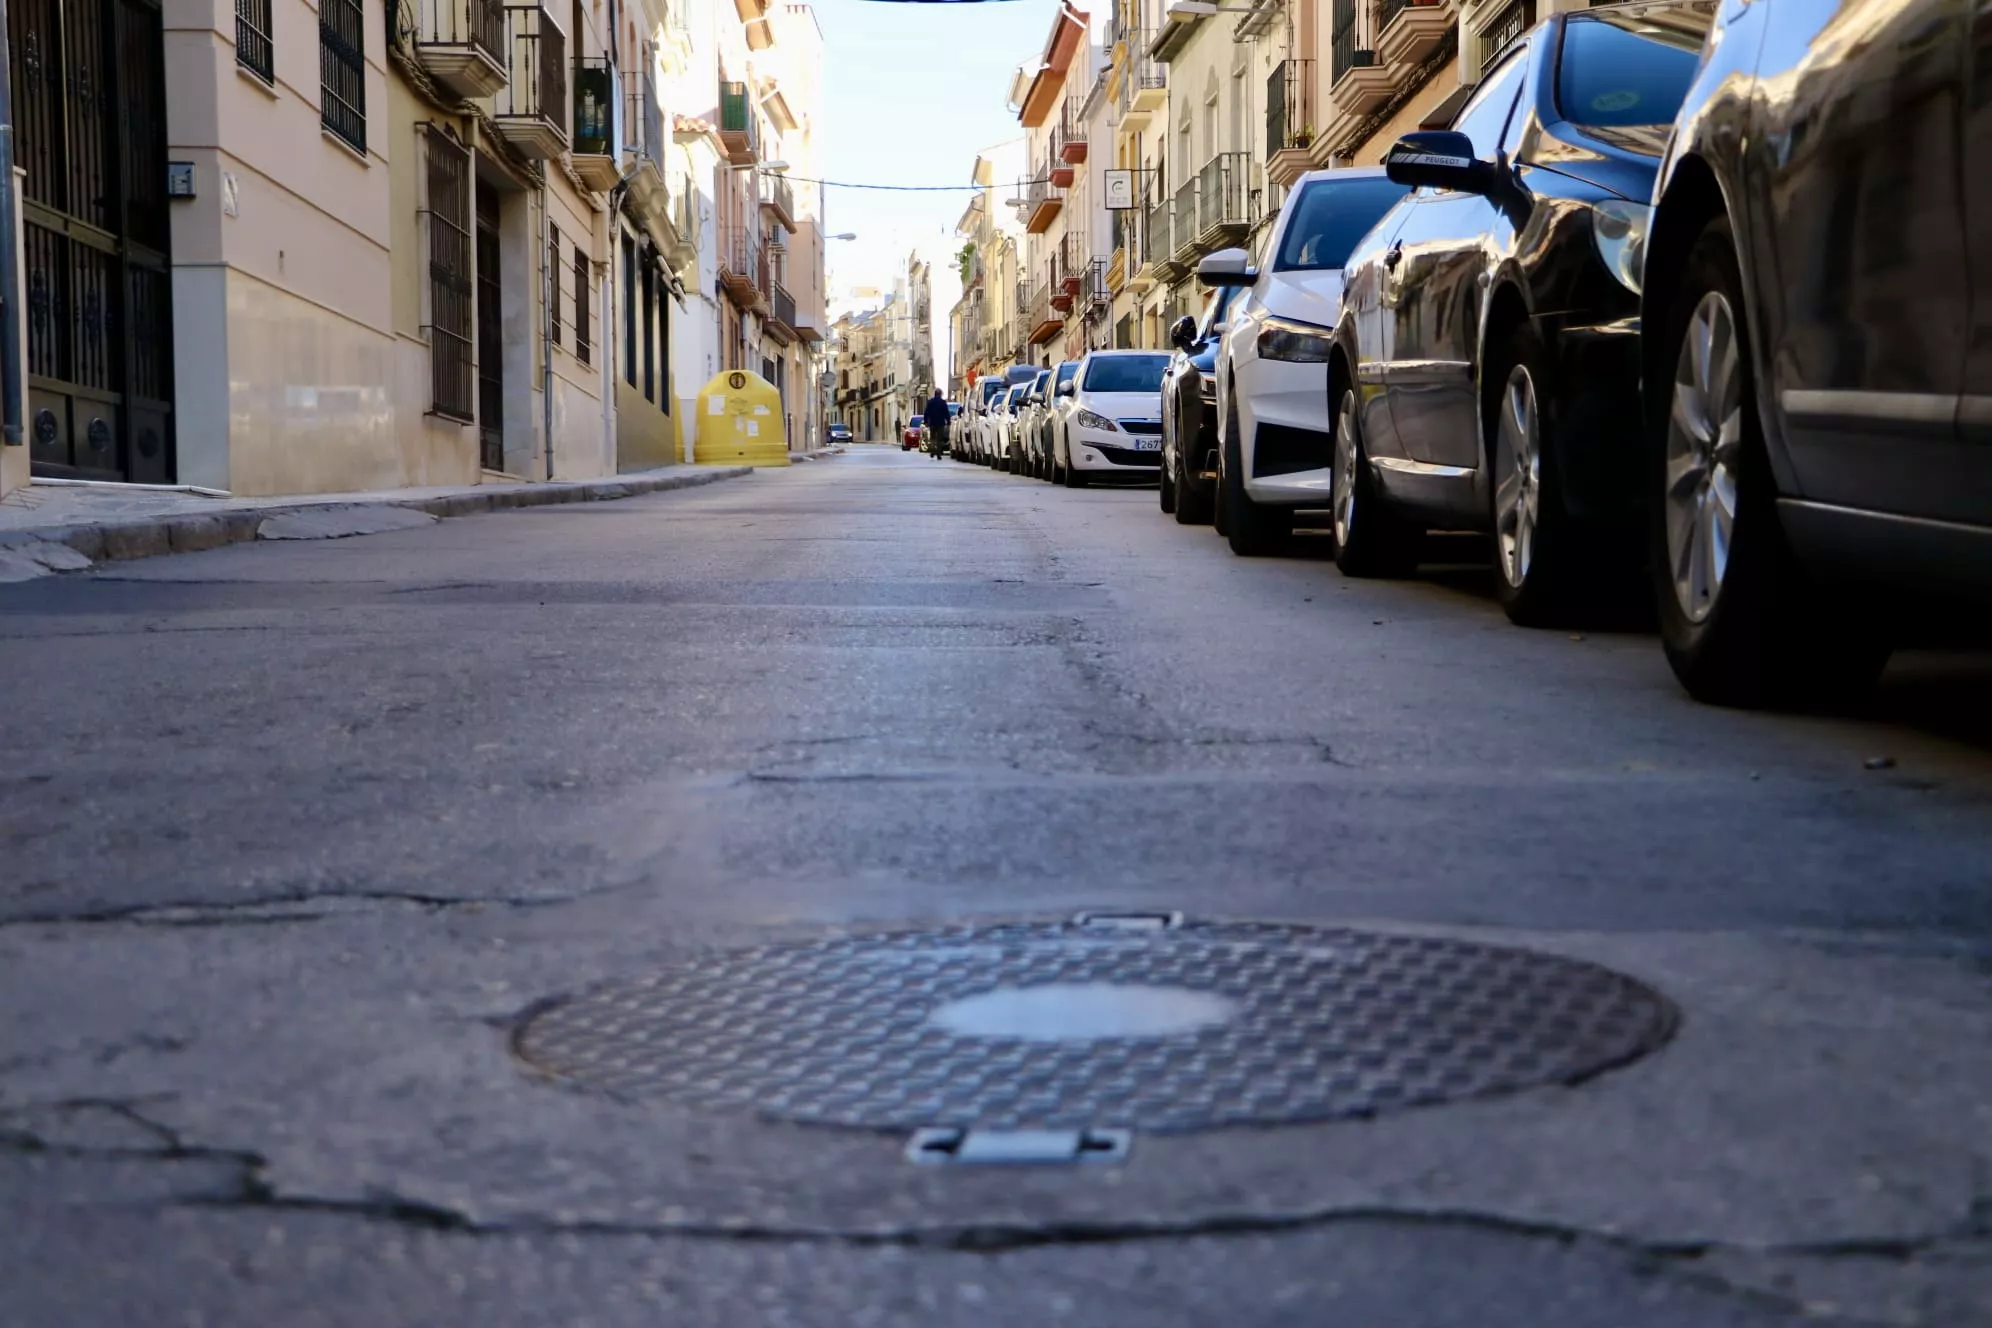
1358 82
736 125
530 111
1290 120
1224 201
596 106
1096 294
1409 30
778 201
1141 85
1072 137
740 267
780 321
461 43
1158 261
1183 224
1043 203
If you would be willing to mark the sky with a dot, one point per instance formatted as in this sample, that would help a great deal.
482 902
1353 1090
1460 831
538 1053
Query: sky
911 93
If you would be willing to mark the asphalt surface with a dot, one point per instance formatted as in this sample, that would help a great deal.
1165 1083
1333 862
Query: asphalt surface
293 837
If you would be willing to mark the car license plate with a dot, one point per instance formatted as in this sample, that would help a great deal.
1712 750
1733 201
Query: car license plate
1145 444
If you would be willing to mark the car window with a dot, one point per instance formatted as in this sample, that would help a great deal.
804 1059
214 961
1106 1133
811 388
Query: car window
1329 216
1614 73
1126 373
1485 115
1214 312
1067 371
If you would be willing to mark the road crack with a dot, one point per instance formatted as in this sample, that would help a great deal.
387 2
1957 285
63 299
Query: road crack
270 910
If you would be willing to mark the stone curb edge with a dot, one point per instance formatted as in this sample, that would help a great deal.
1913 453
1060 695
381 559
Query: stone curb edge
191 532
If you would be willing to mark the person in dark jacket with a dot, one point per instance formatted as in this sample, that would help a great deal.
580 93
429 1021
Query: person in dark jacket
937 422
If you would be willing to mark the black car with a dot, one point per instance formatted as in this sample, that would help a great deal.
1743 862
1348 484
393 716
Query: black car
1818 381
1487 367
840 433
1189 413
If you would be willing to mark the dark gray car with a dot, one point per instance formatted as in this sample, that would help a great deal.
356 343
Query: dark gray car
1818 390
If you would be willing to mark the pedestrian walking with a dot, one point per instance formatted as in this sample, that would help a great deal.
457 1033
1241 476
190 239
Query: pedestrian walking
937 423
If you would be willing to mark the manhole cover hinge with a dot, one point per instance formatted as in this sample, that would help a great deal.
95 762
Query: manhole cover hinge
1018 1147
1138 921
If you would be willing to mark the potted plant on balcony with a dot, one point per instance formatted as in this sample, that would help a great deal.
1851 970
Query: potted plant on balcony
1303 136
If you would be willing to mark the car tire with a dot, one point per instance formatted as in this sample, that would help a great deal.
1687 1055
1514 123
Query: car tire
1370 539
1193 501
1254 530
1741 622
1165 492
1537 547
1075 478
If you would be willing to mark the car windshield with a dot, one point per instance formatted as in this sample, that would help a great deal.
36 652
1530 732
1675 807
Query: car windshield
1126 373
1330 216
1622 70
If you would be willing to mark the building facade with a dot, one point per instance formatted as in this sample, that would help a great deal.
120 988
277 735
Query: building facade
361 244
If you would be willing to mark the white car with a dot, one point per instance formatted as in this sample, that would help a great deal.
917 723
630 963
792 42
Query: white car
1109 417
1276 449
1002 422
976 418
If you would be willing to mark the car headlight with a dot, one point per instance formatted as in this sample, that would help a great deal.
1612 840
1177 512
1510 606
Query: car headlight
1300 343
1086 419
1619 230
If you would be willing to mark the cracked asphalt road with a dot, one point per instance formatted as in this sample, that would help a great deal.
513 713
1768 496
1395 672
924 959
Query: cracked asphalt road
291 836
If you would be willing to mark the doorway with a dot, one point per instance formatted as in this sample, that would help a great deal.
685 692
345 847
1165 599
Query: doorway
90 125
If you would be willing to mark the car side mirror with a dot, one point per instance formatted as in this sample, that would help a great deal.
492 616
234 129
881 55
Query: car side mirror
1183 336
1439 159
1068 388
1227 267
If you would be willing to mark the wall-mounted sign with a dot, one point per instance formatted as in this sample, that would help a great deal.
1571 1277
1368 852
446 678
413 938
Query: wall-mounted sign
179 179
1120 191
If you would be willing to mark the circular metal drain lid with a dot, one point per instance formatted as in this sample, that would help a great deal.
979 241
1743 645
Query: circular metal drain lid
1070 1026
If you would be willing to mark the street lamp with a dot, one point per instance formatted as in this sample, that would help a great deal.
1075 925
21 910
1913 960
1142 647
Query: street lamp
847 235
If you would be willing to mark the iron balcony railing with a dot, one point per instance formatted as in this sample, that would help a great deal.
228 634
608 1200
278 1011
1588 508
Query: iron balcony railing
479 23
1155 246
780 195
1183 221
1142 74
1223 194
1344 52
595 107
643 121
1093 292
1290 106
782 304
537 60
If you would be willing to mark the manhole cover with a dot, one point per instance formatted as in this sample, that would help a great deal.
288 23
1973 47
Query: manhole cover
1066 1026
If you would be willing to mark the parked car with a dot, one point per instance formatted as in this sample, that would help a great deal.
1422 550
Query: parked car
1819 396
1057 407
1115 423
1024 429
1487 357
1000 421
1189 413
1274 445
839 434
909 436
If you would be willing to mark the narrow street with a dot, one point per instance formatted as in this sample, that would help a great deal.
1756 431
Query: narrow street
307 850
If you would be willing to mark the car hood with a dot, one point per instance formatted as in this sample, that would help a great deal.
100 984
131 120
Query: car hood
1308 297
1622 160
1122 405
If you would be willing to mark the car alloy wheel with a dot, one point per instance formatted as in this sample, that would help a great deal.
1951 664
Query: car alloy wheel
1517 475
1704 443
1342 492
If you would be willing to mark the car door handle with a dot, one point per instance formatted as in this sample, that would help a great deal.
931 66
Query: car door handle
1394 256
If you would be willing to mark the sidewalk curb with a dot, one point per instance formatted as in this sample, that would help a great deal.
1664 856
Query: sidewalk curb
191 532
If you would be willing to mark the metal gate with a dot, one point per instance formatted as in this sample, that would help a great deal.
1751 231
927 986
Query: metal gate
90 131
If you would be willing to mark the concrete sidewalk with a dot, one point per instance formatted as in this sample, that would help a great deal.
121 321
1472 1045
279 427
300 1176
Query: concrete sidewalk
47 528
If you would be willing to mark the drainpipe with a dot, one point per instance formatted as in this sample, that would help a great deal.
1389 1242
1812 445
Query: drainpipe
546 322
10 274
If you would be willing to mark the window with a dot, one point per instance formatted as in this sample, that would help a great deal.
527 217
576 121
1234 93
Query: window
451 367
553 265
1612 73
252 39
1329 217
342 70
629 310
1126 373
1484 117
663 343
583 278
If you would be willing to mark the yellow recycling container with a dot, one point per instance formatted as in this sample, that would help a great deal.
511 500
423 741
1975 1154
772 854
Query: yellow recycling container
740 422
